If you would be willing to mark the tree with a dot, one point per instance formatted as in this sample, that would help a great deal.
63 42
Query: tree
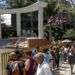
57 33
51 8
63 18
19 3
69 34
16 3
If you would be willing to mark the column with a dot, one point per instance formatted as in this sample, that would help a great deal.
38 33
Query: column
18 22
0 27
40 23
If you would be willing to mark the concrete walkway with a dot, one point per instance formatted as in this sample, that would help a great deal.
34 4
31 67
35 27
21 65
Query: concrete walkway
65 70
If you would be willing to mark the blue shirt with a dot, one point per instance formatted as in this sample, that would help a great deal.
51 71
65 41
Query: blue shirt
47 57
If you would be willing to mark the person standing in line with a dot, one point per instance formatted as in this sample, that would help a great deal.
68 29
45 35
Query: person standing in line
12 66
48 57
66 49
57 57
30 65
61 56
71 58
43 67
34 51
53 56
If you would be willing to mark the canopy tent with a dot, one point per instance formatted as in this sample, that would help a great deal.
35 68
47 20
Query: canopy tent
66 41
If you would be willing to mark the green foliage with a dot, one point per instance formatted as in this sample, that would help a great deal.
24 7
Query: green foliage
19 3
69 33
57 33
7 32
51 8
58 19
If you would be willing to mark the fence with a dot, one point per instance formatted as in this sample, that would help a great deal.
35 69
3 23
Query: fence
4 59
4 56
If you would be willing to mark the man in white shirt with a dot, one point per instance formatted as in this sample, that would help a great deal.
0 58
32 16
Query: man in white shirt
43 67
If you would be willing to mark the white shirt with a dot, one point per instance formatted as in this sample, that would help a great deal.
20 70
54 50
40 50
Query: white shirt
43 69
65 50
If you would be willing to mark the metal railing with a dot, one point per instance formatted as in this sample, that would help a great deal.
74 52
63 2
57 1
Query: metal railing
4 59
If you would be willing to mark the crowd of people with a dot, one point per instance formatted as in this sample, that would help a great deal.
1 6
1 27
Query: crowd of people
37 62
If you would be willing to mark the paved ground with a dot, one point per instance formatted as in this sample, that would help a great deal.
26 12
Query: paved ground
64 70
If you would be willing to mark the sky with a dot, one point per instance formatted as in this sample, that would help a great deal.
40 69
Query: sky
2 3
7 19
70 1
